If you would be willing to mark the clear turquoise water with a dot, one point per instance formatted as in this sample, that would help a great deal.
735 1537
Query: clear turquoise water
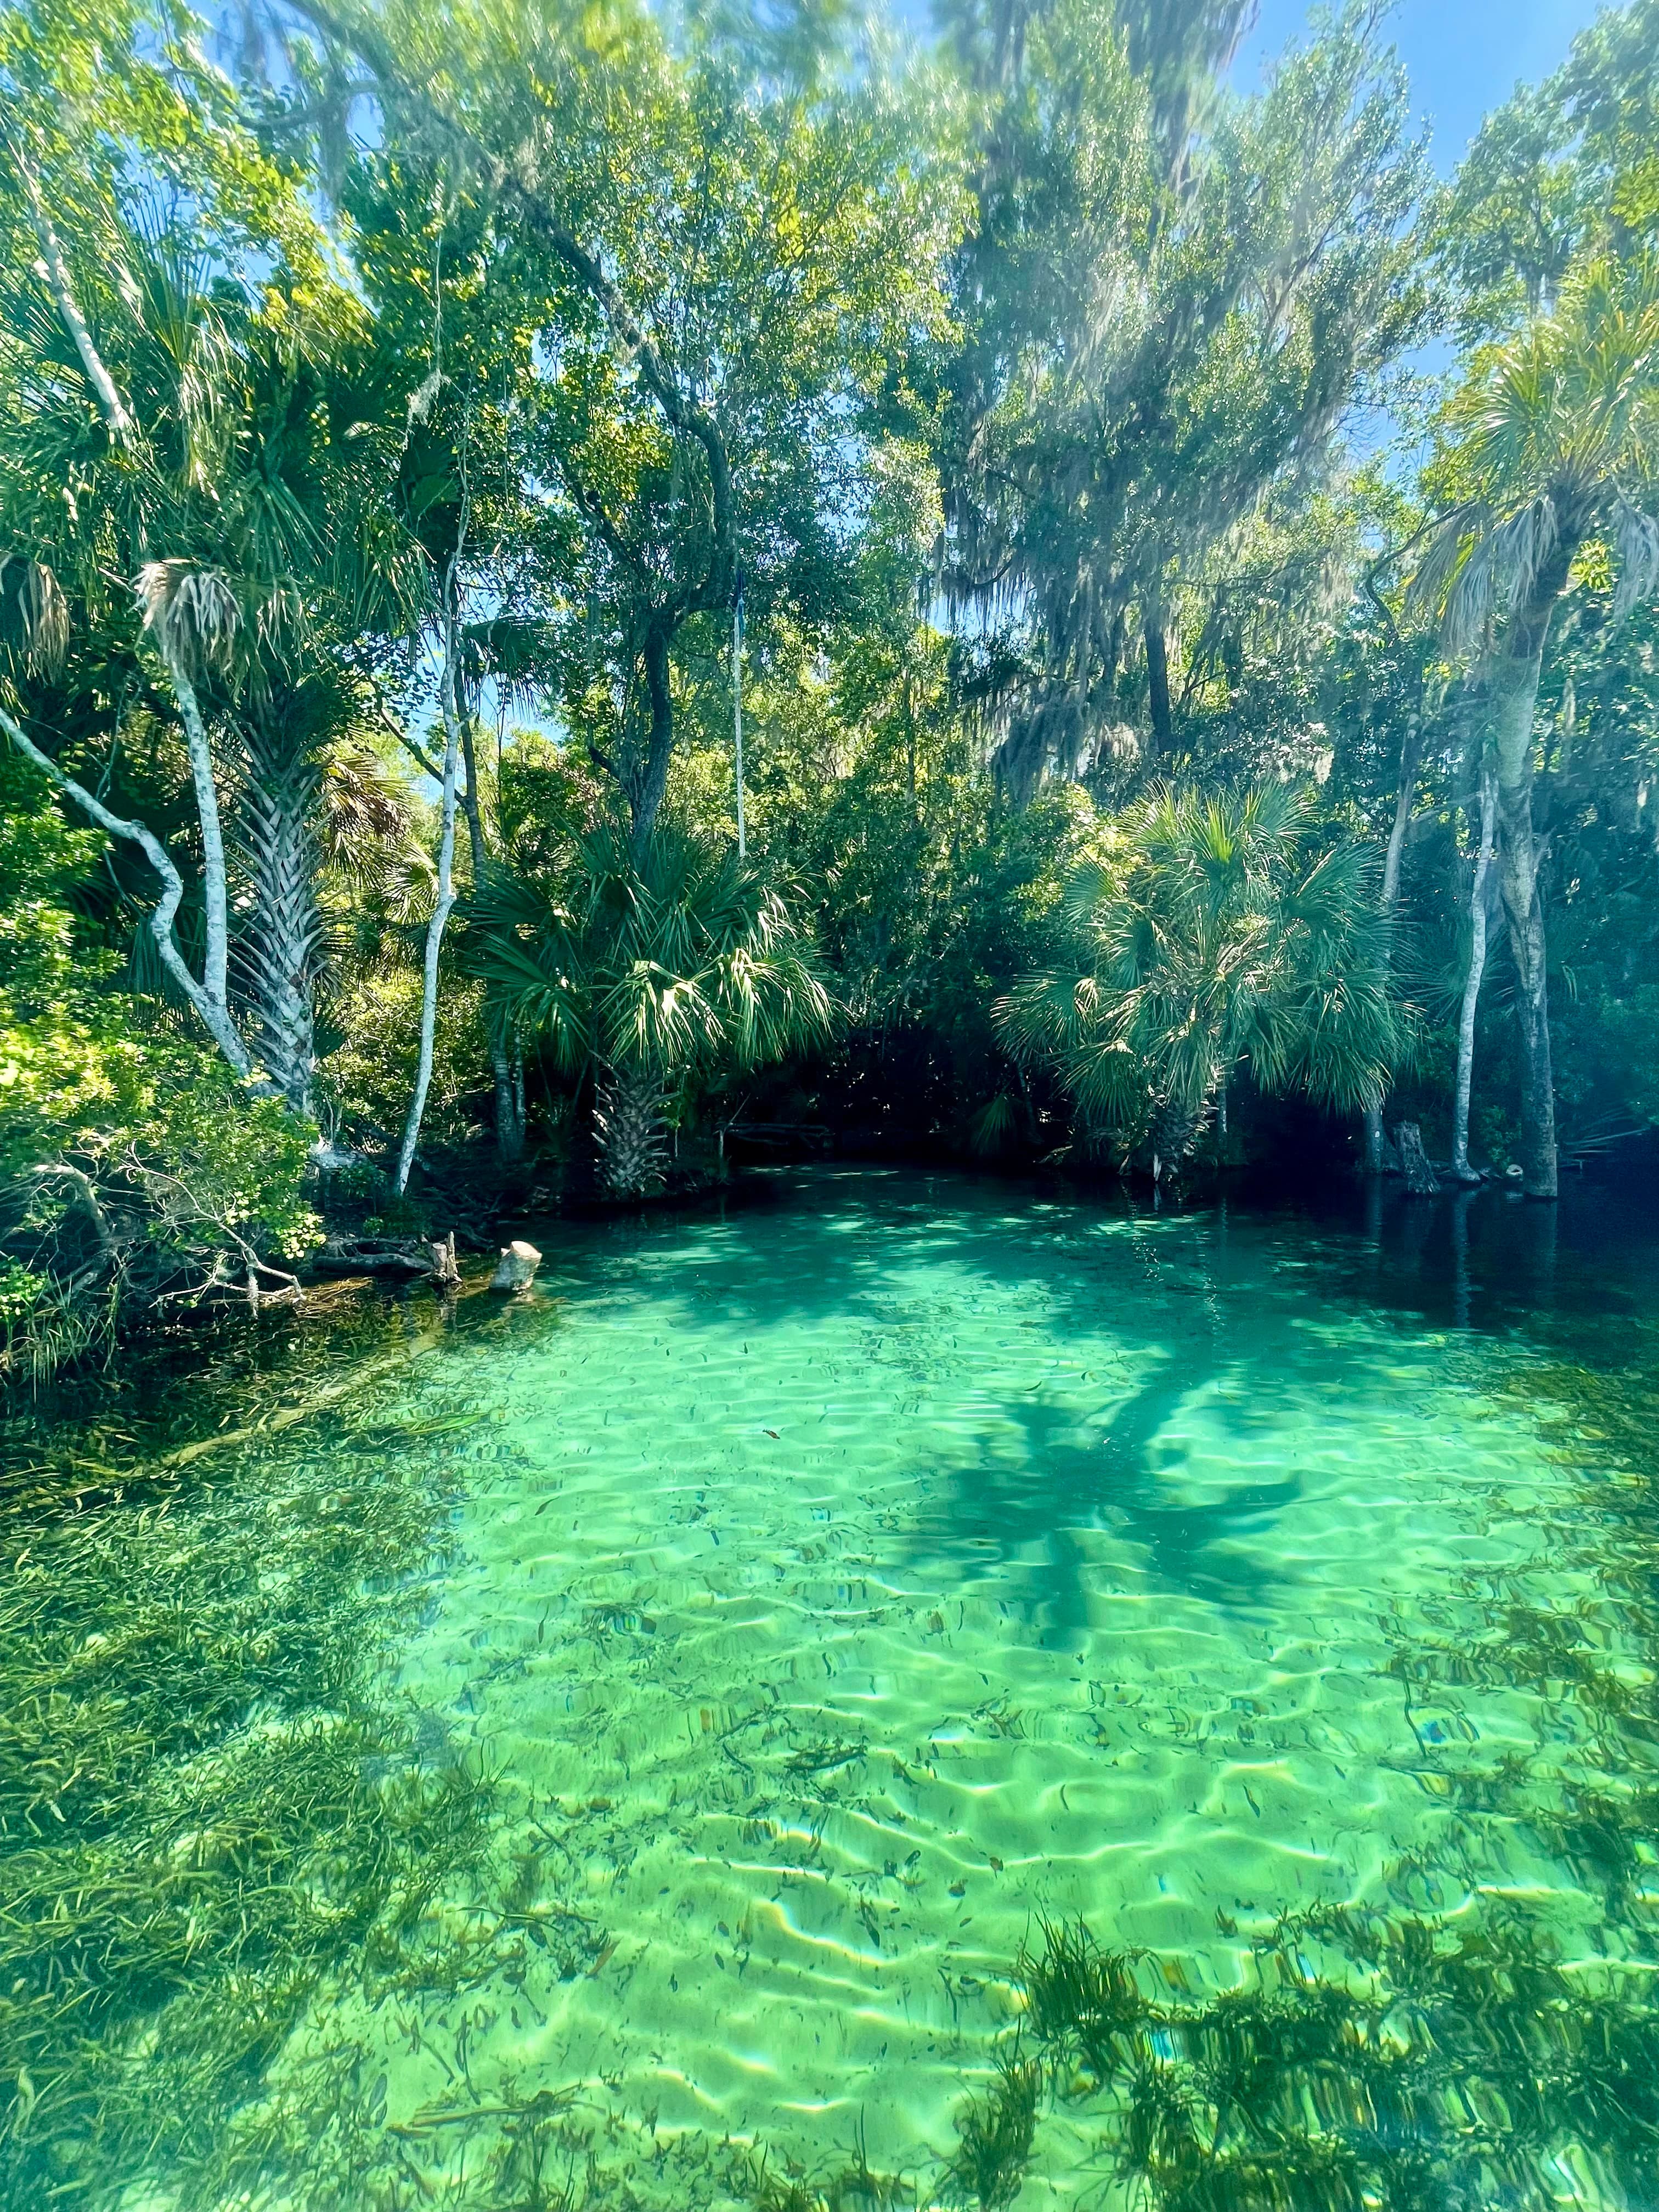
839 1586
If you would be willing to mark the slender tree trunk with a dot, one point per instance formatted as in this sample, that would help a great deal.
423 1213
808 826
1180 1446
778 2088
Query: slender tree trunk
1516 670
645 799
1158 686
1410 747
510 1125
215 905
1460 1158
53 268
210 996
440 913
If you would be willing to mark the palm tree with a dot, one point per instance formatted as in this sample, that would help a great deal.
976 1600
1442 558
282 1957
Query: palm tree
235 478
646 977
1214 930
1554 442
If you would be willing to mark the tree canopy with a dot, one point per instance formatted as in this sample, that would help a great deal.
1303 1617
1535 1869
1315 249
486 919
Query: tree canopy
423 428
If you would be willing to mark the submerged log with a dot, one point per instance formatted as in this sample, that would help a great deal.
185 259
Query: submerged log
516 1268
1421 1181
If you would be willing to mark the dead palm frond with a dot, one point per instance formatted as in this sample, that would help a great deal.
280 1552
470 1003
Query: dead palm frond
34 624
193 612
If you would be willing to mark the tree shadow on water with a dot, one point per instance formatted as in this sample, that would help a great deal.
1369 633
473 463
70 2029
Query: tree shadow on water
1026 1509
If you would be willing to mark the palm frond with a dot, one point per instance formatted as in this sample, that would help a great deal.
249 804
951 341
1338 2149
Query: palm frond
685 964
1227 933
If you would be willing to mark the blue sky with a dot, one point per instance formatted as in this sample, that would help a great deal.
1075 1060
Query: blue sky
1463 56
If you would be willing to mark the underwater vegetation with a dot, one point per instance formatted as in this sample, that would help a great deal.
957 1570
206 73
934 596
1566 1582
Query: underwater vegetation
988 2170
1359 2063
851 2185
214 1816
1380 2062
202 1803
242 1874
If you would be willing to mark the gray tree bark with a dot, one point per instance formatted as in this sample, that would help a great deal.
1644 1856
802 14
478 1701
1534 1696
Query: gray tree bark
1460 1158
1158 688
215 904
213 1015
628 1122
440 912
644 794
53 268
276 958
1516 669
1420 1178
1411 746
211 992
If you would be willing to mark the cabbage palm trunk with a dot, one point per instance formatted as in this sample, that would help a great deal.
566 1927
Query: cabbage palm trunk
629 1126
276 952
1555 441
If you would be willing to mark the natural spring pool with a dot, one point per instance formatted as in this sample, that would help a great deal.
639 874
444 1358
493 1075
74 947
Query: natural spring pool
902 1690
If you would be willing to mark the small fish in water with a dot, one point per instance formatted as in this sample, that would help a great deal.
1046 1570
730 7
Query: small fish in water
774 1434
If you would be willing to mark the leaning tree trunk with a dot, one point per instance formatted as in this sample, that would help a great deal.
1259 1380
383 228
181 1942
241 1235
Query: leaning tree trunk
628 1122
440 912
1516 670
213 1013
277 953
1460 1158
214 906
208 996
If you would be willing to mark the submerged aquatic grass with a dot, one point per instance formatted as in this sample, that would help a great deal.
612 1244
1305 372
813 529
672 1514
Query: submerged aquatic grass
929 1703
1359 2062
213 1807
205 1799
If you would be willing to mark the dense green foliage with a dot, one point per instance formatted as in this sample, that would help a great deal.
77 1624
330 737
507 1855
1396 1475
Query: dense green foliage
1210 934
398 406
